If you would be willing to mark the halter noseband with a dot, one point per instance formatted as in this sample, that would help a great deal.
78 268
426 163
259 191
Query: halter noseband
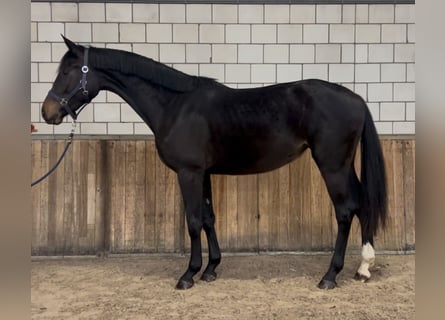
64 101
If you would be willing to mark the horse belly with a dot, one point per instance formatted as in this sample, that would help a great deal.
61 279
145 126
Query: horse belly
248 160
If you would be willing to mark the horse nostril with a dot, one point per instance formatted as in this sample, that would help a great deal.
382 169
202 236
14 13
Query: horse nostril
43 114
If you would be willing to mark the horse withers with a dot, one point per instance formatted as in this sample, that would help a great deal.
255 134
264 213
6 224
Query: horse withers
202 127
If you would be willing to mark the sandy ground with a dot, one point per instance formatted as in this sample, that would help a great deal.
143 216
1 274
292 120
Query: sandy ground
248 287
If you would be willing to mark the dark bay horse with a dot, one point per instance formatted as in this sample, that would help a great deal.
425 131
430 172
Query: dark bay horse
202 127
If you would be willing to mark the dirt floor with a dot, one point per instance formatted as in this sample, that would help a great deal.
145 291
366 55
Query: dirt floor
248 287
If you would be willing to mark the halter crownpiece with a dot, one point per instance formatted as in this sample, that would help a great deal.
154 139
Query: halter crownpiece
64 101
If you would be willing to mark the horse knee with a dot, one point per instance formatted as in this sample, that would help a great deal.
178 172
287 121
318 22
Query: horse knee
194 228
208 223
344 215
194 232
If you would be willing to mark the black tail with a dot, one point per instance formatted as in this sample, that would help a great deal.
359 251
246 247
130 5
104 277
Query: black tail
373 180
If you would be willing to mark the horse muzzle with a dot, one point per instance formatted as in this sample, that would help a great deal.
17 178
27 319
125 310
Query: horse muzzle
51 111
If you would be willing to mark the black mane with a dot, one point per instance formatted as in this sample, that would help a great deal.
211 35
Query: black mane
146 68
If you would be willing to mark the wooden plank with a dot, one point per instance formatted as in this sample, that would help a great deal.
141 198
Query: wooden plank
253 213
274 209
150 198
89 248
409 177
393 212
130 194
248 211
169 219
36 173
91 182
306 219
83 196
140 186
232 212
83 204
109 195
392 234
111 151
283 217
52 195
91 173
399 193
76 191
160 205
264 212
60 202
101 208
44 185
119 171
269 210
386 236
68 206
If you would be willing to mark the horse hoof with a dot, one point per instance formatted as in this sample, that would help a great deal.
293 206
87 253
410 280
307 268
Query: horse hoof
184 285
361 277
327 284
209 277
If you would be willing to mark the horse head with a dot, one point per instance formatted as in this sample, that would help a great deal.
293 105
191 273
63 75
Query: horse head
75 86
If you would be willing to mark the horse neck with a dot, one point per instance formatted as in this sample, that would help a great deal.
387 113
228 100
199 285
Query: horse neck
149 100
146 99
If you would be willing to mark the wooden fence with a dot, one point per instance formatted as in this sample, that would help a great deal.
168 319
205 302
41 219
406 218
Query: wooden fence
116 196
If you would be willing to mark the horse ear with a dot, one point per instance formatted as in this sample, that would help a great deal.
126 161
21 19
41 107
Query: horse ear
71 45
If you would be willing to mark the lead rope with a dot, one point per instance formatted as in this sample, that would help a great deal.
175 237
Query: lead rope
68 143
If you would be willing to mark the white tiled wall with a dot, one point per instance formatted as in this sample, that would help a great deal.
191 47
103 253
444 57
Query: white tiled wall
368 48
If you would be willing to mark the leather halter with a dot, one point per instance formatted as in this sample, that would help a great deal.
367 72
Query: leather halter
82 86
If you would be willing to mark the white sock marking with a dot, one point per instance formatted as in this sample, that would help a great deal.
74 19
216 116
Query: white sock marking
368 258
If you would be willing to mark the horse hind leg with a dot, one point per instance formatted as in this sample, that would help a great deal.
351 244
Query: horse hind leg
208 216
368 253
343 189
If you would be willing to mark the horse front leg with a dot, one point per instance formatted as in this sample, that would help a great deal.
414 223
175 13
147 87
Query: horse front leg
191 184
209 228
